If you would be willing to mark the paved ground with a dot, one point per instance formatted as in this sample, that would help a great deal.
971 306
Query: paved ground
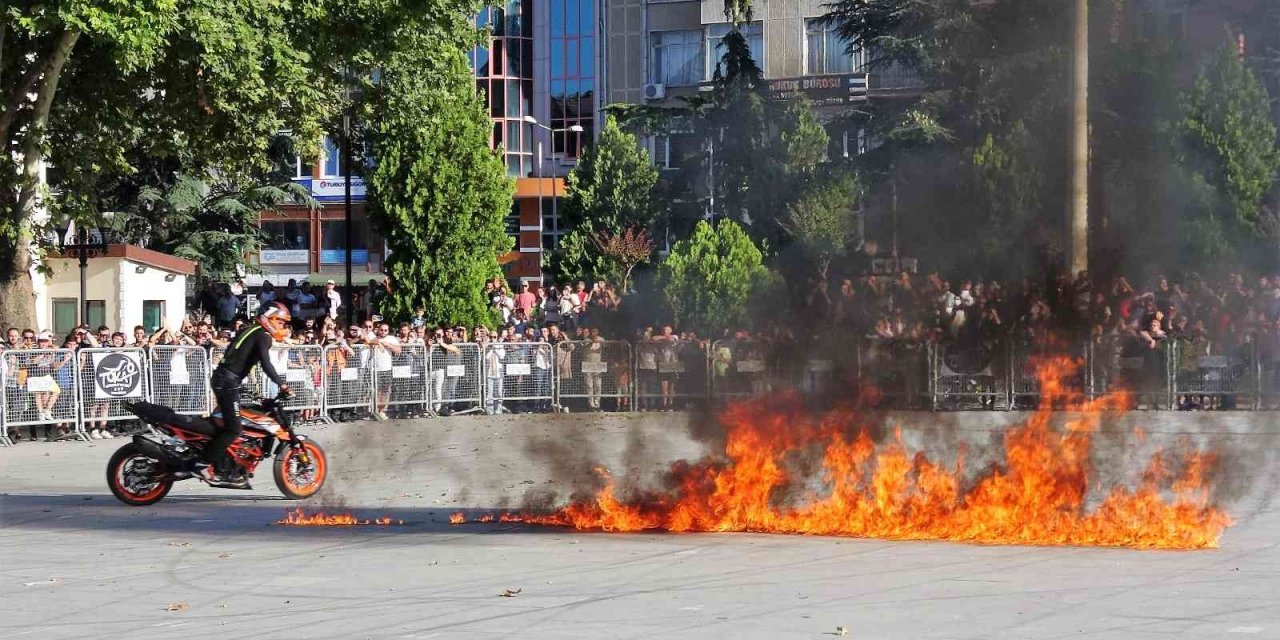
76 564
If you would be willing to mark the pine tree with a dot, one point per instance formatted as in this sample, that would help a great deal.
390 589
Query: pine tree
437 192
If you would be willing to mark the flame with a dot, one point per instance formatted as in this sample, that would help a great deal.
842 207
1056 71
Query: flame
299 518
1040 496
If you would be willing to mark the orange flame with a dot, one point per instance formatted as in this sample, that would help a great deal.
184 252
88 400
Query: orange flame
299 518
1039 497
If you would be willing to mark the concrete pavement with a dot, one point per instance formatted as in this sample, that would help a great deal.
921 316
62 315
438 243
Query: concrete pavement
74 563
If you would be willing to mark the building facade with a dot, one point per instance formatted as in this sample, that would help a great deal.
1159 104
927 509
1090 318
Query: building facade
306 244
539 78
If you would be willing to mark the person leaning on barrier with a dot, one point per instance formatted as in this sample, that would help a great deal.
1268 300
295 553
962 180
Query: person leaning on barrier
250 348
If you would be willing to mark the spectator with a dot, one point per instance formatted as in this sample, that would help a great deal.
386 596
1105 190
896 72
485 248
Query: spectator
227 306
525 300
333 299
385 346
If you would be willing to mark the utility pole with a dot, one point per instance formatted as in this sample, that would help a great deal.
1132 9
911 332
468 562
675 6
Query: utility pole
1078 216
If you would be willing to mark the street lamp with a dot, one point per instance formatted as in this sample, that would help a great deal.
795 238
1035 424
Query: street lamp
577 128
83 246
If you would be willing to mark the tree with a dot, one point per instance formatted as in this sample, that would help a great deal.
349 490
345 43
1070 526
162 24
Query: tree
710 277
437 191
1230 137
609 191
213 223
624 252
821 221
208 83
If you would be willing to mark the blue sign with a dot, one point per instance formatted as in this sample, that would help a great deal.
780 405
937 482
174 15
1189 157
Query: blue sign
339 256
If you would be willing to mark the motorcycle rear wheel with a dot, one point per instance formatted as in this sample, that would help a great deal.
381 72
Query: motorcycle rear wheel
126 479
297 480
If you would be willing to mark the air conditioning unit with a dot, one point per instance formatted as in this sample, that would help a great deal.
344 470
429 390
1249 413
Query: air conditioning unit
655 91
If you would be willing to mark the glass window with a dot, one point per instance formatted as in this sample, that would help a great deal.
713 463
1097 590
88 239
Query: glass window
753 32
333 238
677 57
660 151
332 159
826 52
152 315
286 235
64 316
97 313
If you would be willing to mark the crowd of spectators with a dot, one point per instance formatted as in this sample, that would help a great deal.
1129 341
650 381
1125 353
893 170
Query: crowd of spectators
670 367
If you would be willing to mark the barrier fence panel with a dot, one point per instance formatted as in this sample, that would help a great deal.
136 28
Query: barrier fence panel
898 370
671 375
517 377
740 368
1209 376
588 371
180 378
829 364
302 367
1123 362
968 376
348 378
1024 378
108 378
39 388
1267 360
408 382
455 378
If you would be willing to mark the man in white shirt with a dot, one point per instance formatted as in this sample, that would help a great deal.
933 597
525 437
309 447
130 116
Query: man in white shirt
334 298
385 346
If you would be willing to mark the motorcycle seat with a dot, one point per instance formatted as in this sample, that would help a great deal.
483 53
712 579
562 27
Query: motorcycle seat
160 414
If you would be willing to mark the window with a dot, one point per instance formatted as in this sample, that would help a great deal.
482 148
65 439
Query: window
64 315
753 32
333 239
677 57
286 235
572 75
660 151
97 313
152 315
332 159
826 52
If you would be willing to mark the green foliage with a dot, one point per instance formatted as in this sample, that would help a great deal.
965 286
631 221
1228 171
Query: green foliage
822 219
437 191
202 85
610 190
211 223
1230 136
710 278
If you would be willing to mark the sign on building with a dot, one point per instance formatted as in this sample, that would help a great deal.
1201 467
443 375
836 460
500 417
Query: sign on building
822 91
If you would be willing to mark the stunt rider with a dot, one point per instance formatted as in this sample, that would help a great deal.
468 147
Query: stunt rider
251 347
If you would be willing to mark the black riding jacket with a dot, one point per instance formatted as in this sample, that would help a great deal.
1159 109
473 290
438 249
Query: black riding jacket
252 346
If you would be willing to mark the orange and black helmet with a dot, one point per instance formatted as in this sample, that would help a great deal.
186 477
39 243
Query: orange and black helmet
275 318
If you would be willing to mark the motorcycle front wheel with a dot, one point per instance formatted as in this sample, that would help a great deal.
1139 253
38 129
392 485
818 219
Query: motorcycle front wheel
131 476
297 478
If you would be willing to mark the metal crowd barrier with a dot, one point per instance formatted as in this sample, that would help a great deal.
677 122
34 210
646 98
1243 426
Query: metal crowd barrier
81 390
109 377
40 387
408 384
977 376
671 375
456 379
899 370
593 370
302 367
741 368
179 377
348 378
517 376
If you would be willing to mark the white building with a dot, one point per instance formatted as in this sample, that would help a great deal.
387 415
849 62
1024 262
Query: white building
127 286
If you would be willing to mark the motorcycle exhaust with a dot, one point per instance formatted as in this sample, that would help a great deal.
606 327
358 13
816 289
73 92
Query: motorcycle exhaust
157 450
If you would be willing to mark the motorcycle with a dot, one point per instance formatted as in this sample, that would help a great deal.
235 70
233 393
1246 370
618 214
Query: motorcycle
143 471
